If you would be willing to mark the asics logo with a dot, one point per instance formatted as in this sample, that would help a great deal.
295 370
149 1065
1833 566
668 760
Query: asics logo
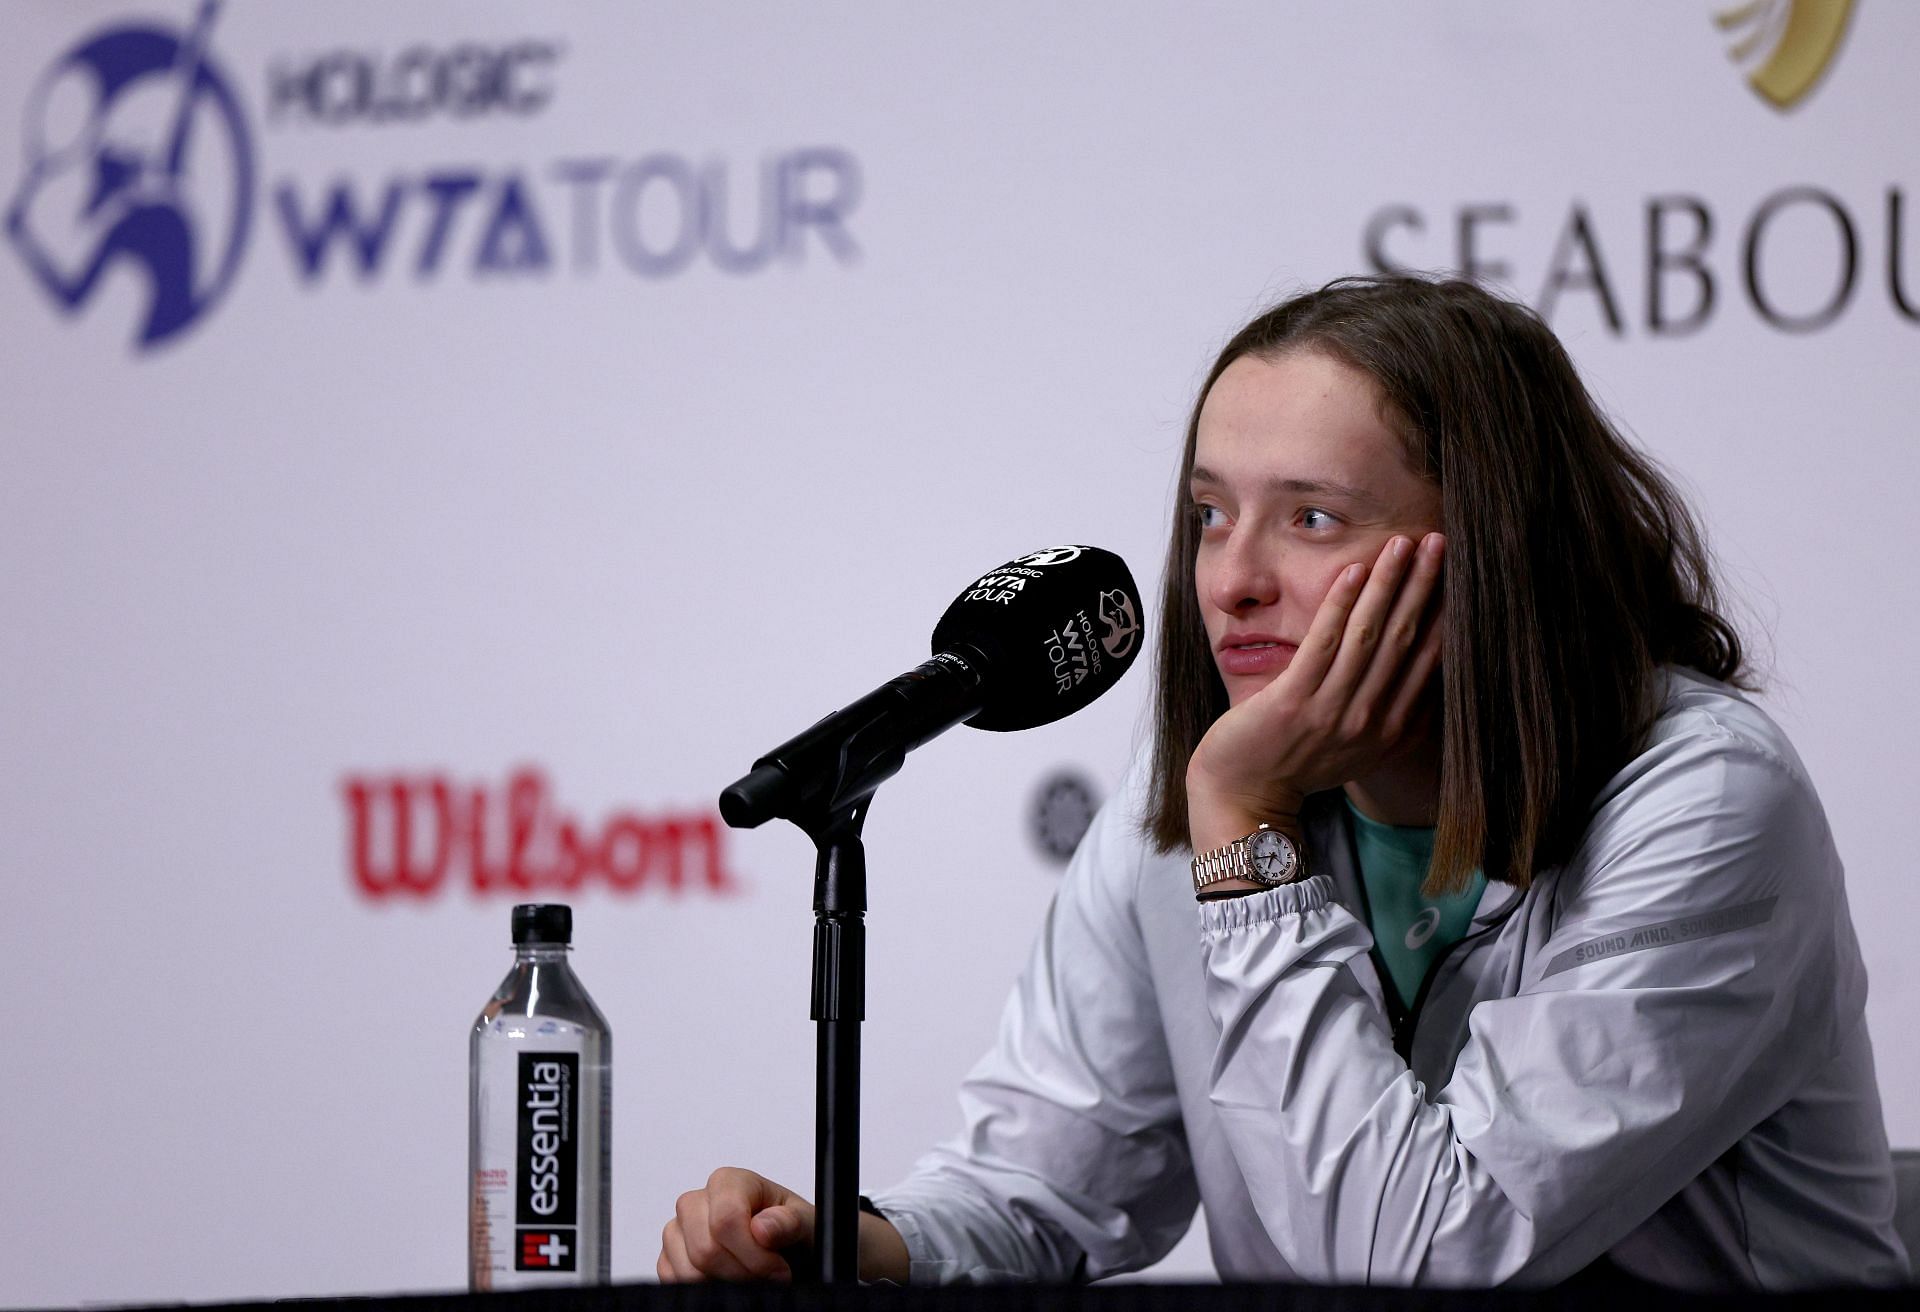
1422 929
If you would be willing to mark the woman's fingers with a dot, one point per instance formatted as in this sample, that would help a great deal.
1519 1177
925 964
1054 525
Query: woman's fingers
736 1228
1361 640
784 1225
674 1265
701 1251
1399 632
1405 707
729 1216
1342 702
1310 664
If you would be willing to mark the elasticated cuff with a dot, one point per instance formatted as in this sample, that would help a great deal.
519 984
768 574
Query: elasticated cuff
1232 914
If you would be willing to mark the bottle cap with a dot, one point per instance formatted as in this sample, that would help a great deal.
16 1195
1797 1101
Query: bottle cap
542 922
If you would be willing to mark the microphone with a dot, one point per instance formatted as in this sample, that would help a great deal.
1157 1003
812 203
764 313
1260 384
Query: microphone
1023 645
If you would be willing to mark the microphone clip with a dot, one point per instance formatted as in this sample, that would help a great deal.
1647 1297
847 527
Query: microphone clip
839 762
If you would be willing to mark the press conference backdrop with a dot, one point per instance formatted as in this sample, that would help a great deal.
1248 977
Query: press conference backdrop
445 443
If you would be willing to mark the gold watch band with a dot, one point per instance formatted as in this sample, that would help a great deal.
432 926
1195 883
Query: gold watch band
1236 860
1221 864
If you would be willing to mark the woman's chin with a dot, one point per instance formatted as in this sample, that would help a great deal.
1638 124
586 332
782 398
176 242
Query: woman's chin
1242 686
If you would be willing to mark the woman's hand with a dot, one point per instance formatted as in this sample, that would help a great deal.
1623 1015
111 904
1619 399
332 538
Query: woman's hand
741 1226
1343 705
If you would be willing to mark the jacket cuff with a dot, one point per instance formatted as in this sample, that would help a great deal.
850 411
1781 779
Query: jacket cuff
924 1264
1230 914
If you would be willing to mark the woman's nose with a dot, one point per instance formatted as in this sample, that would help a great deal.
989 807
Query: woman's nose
1247 578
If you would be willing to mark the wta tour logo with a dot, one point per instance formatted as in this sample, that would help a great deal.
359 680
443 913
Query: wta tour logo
137 157
1785 45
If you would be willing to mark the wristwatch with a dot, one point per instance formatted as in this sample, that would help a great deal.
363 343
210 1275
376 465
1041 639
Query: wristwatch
1265 856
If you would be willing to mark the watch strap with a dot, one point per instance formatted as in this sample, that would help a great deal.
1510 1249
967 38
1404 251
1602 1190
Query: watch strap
1235 861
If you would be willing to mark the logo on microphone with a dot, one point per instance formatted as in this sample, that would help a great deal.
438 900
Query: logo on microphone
137 155
1786 45
1071 652
1050 556
1123 624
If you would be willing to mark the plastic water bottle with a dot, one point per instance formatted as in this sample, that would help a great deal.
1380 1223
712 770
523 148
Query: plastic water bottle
539 1145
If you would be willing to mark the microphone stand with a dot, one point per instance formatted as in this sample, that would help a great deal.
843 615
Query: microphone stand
824 778
832 816
823 781
839 1006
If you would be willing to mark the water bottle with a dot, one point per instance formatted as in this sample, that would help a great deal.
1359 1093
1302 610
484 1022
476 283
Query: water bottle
539 1141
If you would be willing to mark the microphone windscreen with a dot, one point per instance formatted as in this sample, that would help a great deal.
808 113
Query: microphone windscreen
1054 628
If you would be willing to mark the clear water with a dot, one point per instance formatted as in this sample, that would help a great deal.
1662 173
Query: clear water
539 1007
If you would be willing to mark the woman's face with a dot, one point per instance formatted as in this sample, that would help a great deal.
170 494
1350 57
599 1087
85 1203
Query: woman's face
1295 477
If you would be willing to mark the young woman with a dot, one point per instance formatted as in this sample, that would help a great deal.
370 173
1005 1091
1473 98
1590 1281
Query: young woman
1521 950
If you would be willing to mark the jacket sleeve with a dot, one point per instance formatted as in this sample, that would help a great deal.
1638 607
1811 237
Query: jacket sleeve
1688 972
1073 1163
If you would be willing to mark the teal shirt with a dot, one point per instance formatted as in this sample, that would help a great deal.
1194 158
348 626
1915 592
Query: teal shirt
1409 929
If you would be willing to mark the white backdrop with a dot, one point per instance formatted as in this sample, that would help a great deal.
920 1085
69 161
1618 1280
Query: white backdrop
531 470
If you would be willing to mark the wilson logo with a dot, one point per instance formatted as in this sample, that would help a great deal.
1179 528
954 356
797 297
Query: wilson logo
412 836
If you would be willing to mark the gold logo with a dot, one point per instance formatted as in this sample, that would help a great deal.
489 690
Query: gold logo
1785 45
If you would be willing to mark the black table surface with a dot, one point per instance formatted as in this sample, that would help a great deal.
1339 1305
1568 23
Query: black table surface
1142 1297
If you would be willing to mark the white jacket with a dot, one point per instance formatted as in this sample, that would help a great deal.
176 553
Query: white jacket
1657 1052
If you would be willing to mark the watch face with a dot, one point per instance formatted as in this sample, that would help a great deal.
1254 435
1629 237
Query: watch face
1271 856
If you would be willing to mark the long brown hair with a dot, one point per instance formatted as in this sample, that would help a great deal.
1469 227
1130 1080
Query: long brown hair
1573 570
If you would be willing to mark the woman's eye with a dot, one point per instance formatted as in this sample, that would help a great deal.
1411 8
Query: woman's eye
1311 518
1209 516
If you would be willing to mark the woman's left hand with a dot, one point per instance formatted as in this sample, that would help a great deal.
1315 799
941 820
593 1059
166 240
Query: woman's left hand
1343 705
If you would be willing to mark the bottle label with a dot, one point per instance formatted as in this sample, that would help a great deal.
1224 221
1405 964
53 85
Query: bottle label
546 1203
538 1153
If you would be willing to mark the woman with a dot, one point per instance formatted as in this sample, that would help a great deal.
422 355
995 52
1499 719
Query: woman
1523 950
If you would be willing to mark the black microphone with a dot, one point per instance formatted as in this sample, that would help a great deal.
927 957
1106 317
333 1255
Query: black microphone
1021 646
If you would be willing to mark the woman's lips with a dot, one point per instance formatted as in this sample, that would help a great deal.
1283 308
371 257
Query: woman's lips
1255 656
